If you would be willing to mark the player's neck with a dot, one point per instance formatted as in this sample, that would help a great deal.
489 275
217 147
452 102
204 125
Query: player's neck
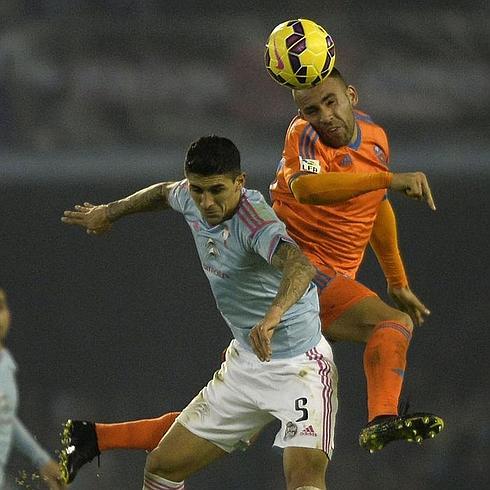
354 135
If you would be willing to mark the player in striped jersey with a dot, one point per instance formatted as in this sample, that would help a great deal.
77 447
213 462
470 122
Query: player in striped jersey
262 286
13 433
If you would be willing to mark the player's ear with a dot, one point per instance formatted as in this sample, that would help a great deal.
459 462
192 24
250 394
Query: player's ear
352 95
240 181
300 114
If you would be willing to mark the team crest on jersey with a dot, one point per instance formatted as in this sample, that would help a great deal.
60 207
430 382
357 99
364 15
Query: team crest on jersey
211 248
380 154
346 161
291 430
309 165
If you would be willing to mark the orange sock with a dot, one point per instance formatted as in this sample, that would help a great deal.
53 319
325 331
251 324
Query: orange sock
385 358
138 434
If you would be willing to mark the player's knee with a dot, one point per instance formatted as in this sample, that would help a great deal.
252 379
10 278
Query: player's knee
302 479
389 314
405 320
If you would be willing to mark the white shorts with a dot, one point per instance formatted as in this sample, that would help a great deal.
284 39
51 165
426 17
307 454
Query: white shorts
246 394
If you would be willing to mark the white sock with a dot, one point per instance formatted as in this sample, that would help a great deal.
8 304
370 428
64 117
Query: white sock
307 488
155 482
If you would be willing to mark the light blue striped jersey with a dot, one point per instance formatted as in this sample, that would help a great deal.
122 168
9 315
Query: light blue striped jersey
8 407
235 256
12 431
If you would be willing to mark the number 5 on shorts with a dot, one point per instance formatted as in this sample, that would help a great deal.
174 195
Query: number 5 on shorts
300 406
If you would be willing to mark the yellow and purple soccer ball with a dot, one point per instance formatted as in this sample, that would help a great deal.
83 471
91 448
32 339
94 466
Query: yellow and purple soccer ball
299 54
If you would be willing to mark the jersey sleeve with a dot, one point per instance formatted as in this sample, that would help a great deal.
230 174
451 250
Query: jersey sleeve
300 153
268 232
178 197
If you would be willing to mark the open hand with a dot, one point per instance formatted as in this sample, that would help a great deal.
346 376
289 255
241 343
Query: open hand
93 218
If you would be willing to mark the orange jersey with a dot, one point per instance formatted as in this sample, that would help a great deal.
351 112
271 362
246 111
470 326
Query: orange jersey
335 234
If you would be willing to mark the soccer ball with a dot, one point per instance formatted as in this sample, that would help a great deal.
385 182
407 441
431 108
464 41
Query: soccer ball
299 54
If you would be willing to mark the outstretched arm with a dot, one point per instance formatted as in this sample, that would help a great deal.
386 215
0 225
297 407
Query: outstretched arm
24 442
384 241
333 187
297 272
98 219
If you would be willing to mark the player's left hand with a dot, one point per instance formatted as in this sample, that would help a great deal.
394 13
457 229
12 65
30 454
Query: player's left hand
51 476
406 301
261 335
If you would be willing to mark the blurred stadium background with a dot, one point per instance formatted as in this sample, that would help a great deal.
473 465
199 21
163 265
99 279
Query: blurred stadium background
101 97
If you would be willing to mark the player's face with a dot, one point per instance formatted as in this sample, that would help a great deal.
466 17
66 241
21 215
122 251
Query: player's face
4 315
216 196
328 107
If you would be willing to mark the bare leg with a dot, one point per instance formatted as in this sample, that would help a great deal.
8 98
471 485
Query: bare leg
358 322
305 468
180 454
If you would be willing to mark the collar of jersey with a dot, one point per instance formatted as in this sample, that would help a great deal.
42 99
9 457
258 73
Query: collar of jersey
357 143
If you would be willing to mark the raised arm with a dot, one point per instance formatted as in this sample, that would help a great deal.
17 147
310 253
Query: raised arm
332 187
384 241
297 272
97 219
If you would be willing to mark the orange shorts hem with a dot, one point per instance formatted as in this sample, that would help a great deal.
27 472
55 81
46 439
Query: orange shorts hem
339 295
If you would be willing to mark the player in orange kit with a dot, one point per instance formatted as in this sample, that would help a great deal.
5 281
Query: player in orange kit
330 191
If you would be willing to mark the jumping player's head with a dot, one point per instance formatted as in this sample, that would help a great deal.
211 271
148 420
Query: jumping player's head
4 316
212 168
329 108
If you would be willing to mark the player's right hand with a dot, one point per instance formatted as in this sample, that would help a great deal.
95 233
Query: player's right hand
414 185
93 218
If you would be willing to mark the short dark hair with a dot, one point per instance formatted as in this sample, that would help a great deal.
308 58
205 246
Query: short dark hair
336 74
211 155
333 74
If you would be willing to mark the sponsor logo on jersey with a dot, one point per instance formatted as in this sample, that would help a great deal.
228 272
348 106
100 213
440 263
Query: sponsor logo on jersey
380 154
216 272
309 165
291 430
308 431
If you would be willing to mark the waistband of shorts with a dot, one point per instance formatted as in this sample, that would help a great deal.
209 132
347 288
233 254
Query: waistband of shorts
250 356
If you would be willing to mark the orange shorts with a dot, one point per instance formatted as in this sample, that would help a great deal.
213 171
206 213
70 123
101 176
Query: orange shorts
337 293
